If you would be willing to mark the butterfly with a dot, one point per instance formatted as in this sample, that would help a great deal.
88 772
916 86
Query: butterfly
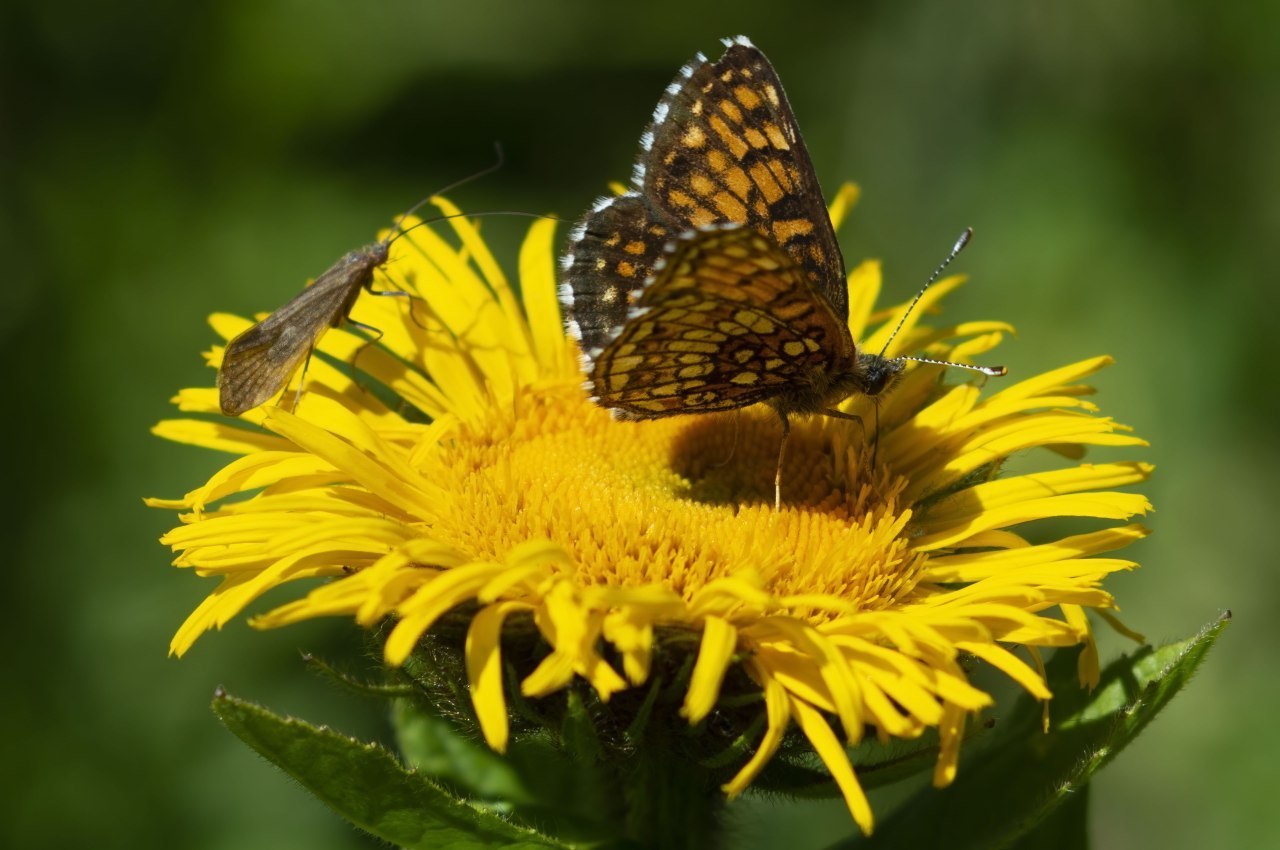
716 281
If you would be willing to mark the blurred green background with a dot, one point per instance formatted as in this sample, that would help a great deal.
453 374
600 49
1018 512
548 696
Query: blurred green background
160 161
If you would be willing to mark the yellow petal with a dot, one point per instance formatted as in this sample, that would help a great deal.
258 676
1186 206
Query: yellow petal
719 642
430 602
630 631
1088 665
833 756
537 274
845 199
864 289
778 711
935 293
223 437
950 733
484 670
972 566
1004 661
394 481
1047 383
842 689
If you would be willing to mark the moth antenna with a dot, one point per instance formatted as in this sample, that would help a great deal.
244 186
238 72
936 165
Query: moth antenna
439 218
498 162
989 371
480 214
955 250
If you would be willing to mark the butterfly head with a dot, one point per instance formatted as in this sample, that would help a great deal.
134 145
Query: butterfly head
876 373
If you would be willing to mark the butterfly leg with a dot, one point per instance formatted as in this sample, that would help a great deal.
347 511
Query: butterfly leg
733 449
848 417
782 453
875 438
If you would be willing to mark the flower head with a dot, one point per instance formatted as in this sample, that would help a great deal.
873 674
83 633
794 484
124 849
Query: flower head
480 479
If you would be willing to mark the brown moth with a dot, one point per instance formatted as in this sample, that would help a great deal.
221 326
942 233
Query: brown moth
259 362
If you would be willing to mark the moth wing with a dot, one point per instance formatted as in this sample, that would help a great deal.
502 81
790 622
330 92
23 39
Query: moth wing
259 362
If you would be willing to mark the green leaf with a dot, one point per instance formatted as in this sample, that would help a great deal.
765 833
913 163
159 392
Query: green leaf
356 686
1064 828
540 783
879 764
1009 787
431 744
369 787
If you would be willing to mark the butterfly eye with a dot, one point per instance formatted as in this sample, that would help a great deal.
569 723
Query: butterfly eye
877 373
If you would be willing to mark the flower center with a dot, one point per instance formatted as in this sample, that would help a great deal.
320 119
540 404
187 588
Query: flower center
679 501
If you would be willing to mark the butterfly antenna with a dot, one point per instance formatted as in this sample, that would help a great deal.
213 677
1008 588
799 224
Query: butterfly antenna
955 250
498 162
989 371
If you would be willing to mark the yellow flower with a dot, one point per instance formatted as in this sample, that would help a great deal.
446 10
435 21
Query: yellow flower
490 481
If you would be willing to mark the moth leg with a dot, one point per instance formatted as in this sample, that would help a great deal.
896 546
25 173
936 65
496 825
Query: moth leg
414 300
369 329
297 394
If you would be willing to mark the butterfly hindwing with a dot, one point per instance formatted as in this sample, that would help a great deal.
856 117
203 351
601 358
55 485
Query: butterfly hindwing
729 319
611 254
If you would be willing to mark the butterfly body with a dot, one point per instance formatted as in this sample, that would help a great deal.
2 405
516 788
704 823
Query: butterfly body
818 391
259 362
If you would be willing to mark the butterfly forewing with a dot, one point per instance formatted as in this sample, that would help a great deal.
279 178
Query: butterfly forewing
728 320
725 147
258 363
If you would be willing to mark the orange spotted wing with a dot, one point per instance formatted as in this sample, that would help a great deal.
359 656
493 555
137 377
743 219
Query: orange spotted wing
729 319
723 149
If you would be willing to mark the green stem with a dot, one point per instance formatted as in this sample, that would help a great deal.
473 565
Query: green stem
672 802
